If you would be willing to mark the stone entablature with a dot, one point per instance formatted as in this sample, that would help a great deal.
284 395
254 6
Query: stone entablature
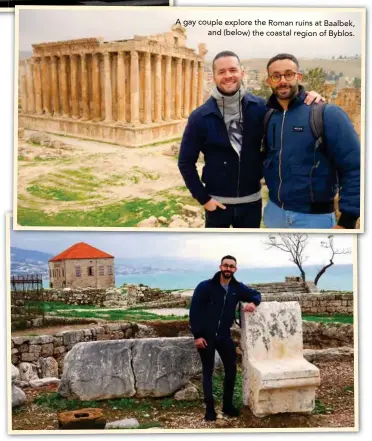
147 83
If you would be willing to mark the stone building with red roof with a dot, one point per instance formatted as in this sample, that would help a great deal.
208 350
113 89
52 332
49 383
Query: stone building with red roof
82 266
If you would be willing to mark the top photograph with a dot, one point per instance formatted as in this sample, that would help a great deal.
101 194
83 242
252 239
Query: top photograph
189 118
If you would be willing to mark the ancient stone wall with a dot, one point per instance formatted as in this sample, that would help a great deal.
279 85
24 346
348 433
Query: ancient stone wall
349 99
315 304
30 349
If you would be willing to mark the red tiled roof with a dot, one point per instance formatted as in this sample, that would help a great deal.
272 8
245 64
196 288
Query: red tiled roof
81 250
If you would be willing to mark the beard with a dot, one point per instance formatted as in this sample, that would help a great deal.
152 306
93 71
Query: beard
227 274
285 92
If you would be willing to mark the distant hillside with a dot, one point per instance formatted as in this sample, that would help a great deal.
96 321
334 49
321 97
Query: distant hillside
28 261
350 68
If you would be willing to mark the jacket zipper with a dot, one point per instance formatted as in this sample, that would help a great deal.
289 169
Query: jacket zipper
280 160
223 308
316 164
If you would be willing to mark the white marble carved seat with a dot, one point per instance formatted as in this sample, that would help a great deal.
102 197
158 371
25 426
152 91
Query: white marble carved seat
276 376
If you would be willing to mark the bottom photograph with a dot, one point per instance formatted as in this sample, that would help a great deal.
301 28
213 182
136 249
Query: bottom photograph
153 332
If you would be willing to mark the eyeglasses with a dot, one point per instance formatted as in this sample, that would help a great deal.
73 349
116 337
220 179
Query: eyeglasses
276 76
225 265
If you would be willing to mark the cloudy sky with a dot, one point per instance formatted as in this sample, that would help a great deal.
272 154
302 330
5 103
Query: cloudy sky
36 26
248 248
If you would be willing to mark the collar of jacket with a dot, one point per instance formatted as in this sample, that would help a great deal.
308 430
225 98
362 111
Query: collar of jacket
216 279
273 102
210 106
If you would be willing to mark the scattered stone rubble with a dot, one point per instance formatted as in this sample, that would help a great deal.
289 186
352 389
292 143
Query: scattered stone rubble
191 217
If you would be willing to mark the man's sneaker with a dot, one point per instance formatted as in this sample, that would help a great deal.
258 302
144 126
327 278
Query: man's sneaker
210 415
230 411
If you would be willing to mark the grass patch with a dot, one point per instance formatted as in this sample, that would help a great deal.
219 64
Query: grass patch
53 193
88 311
55 401
123 214
322 408
218 388
149 425
170 403
129 404
337 318
349 388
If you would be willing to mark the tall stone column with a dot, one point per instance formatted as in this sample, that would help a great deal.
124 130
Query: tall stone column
84 87
108 89
134 87
37 86
147 92
64 86
74 87
23 86
157 100
194 85
201 83
55 87
168 89
186 90
96 87
30 86
45 86
121 88
178 87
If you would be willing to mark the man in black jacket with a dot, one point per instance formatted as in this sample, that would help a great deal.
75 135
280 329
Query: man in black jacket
212 314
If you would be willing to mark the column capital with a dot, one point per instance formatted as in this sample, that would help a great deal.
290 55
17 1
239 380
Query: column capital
178 61
134 54
146 55
106 55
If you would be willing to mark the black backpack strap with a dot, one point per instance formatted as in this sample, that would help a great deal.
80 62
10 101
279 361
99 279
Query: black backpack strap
317 127
266 123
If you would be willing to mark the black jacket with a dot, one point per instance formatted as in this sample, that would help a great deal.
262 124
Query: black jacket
224 173
212 309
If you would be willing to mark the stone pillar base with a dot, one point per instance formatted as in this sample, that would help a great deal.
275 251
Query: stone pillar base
114 132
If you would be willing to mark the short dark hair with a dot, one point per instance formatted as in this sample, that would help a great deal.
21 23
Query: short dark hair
224 54
228 257
283 57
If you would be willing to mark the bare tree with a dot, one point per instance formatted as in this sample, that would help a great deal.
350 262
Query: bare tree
333 251
294 245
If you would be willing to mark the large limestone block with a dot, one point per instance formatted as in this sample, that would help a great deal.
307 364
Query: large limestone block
18 396
164 365
276 376
15 374
28 371
98 370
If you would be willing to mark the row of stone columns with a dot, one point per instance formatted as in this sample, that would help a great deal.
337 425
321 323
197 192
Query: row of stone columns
52 93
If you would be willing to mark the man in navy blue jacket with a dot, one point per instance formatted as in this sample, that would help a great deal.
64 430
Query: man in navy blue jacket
302 177
228 130
212 314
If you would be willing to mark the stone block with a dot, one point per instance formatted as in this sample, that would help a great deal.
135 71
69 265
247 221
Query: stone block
28 357
276 376
41 340
82 419
18 396
163 365
98 370
129 423
47 350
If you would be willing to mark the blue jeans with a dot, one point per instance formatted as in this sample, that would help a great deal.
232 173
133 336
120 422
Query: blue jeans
276 217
